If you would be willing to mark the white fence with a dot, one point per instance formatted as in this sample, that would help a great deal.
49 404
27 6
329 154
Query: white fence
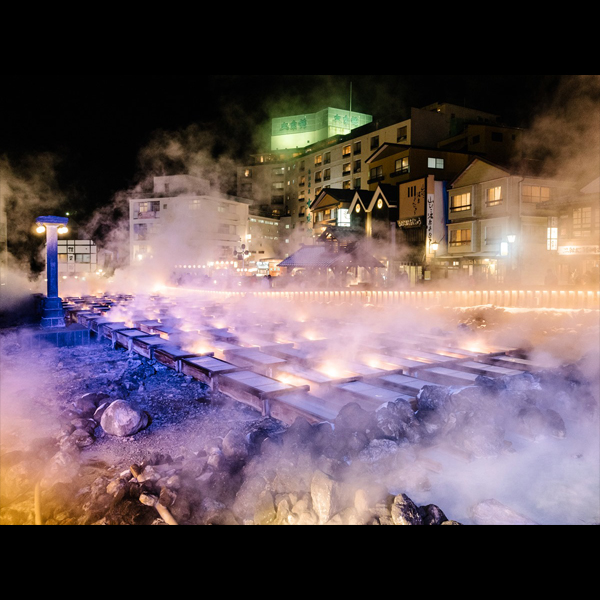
569 299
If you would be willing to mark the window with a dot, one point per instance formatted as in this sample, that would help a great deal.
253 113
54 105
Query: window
552 238
194 204
402 166
318 176
376 172
326 174
278 171
346 150
318 160
346 169
148 206
460 202
493 196
402 134
343 217
460 237
493 234
357 166
582 221
247 172
535 193
327 158
374 142
357 147
435 163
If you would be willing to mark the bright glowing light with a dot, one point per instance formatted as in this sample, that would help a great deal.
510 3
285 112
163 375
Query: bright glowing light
62 229
40 229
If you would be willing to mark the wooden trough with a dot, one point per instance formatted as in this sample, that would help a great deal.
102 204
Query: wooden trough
206 368
172 356
253 389
145 345
370 396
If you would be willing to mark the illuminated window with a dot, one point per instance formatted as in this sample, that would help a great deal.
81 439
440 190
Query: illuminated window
346 150
343 217
460 202
435 163
346 170
194 204
402 165
535 193
493 196
318 160
460 237
552 238
318 176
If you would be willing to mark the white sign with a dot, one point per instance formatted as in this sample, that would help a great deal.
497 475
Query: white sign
570 250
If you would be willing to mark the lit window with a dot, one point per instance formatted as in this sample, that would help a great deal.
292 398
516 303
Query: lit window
535 193
552 238
402 165
460 202
435 163
493 196
460 237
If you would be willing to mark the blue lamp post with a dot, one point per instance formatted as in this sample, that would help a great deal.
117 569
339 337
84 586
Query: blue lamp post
52 311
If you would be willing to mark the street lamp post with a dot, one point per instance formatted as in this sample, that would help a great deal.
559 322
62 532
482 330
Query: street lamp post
511 242
52 311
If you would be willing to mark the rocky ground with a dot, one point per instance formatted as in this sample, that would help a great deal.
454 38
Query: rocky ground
200 458
191 456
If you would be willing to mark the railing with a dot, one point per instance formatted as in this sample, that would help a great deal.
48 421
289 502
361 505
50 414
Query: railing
559 299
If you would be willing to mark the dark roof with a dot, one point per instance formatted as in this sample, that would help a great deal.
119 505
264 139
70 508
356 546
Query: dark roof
338 195
323 255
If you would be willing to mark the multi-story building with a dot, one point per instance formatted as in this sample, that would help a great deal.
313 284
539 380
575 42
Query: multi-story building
574 236
78 258
183 227
286 182
501 225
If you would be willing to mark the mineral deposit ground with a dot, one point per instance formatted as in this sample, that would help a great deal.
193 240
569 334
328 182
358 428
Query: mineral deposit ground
518 453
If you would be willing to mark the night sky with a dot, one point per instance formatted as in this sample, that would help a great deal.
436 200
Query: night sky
94 127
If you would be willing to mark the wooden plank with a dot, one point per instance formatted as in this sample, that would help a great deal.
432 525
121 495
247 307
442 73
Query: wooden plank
445 376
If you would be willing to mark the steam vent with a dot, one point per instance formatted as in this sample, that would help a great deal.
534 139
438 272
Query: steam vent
241 408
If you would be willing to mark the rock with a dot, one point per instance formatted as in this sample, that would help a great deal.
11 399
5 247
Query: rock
235 446
404 511
325 496
121 419
264 509
432 515
87 404
492 512
555 426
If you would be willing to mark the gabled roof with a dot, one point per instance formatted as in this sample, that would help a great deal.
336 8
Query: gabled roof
387 149
387 192
331 197
363 197
390 194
